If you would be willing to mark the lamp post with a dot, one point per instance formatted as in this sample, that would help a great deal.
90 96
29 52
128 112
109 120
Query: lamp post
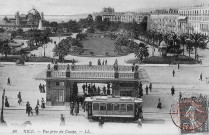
2 108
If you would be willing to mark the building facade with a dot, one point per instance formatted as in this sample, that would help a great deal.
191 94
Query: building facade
126 17
61 79
32 18
184 20
196 19
164 21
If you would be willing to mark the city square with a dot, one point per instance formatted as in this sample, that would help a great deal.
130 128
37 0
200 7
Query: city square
57 72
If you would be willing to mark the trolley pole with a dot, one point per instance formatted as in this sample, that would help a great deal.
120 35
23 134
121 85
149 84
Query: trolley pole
2 108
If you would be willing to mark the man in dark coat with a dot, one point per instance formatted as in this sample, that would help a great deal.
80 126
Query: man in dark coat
6 102
8 81
173 73
27 106
146 90
172 91
159 105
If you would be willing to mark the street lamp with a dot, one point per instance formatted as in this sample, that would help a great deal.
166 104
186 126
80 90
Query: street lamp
2 108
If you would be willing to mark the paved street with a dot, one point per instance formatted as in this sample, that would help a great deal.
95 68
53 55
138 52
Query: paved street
185 81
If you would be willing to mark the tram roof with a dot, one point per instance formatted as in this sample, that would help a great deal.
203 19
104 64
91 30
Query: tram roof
113 99
94 73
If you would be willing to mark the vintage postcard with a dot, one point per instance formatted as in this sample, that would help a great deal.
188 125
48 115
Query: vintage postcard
123 67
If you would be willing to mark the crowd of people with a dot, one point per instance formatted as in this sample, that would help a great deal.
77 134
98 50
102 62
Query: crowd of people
91 89
42 88
103 62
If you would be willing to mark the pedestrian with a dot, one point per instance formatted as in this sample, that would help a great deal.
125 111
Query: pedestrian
105 62
40 87
150 87
76 108
104 90
206 78
101 121
136 68
42 103
83 87
27 105
38 102
200 77
178 66
6 102
62 120
139 123
29 110
19 98
108 91
71 108
180 95
172 91
173 72
98 89
8 81
146 90
90 63
108 85
132 67
159 105
43 88
37 109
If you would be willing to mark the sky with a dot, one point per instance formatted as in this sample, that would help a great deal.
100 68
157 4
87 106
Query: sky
72 7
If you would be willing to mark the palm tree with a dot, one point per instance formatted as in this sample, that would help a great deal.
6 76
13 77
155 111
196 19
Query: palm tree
182 40
198 41
5 48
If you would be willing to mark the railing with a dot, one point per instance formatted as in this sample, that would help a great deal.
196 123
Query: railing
62 74
94 68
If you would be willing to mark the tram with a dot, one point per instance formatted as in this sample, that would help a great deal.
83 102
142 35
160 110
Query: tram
115 107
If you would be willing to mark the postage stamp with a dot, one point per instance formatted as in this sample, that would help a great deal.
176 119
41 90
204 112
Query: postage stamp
188 114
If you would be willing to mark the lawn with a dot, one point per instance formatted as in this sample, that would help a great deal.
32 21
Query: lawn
100 46
181 59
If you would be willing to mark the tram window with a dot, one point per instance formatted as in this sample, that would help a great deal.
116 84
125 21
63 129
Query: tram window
123 107
109 107
116 107
102 107
96 106
130 107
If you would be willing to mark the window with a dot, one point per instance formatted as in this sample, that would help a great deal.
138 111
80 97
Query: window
96 106
102 107
116 107
123 107
130 107
59 83
109 107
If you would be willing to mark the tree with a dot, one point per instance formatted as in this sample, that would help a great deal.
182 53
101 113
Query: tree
2 30
121 41
5 48
66 46
141 51
20 32
198 41
89 20
81 36
90 29
182 40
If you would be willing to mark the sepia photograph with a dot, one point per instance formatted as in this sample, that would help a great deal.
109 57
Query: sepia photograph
104 67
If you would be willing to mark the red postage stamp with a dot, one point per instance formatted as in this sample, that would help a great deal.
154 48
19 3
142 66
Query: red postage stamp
188 114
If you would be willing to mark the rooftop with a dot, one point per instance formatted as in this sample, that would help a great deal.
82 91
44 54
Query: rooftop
94 73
